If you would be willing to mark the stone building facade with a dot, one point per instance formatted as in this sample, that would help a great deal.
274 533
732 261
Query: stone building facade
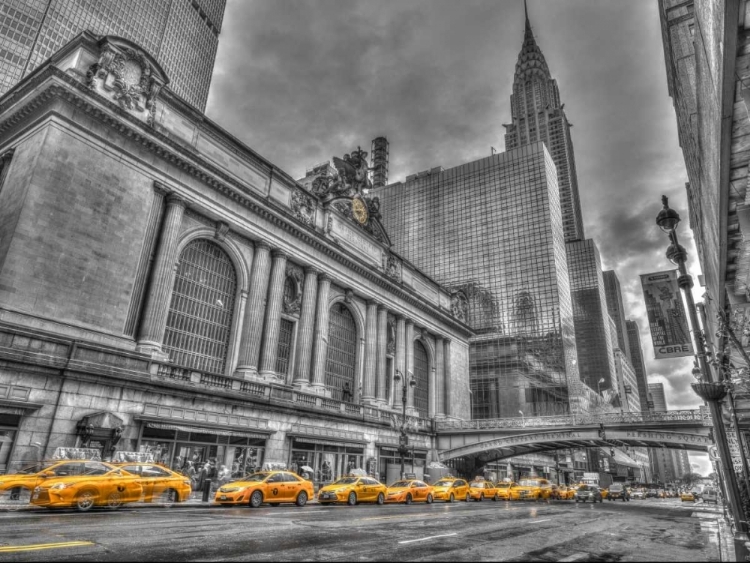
165 291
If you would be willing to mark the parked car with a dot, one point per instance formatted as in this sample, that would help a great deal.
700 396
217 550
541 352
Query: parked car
451 489
273 487
531 489
17 487
503 489
618 491
480 490
588 492
687 496
408 491
638 494
353 490
711 494
159 483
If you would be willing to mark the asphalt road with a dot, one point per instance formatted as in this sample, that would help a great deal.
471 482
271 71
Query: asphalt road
642 530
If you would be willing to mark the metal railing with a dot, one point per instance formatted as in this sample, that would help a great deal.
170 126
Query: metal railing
578 420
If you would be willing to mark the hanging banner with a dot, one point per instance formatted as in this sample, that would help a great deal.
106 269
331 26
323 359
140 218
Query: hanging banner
666 315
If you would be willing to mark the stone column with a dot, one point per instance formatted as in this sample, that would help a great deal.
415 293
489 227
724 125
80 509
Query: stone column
382 347
431 387
409 347
270 347
447 377
320 338
439 376
154 321
371 351
306 327
400 358
252 325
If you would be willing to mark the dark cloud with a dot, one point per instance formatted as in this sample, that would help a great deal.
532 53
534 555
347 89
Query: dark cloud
300 81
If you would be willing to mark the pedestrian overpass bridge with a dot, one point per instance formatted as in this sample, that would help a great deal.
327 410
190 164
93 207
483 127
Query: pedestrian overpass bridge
489 440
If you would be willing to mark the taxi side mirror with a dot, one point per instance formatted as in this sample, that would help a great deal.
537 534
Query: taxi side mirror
45 474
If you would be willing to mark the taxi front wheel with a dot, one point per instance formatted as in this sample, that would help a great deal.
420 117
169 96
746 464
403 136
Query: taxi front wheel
408 499
381 498
85 500
301 499
451 498
352 500
256 499
429 499
468 497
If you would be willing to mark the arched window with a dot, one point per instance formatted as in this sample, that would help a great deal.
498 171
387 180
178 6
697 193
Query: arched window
421 374
342 351
200 314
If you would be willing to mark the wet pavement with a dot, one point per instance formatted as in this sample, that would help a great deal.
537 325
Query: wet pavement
642 530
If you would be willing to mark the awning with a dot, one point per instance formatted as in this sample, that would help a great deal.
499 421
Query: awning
204 430
622 459
330 442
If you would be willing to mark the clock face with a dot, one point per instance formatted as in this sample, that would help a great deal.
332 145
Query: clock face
359 210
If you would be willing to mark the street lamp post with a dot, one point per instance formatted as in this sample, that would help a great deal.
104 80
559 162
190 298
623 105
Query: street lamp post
403 446
523 419
707 388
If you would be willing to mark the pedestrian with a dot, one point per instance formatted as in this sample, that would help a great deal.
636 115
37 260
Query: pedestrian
346 394
208 474
224 475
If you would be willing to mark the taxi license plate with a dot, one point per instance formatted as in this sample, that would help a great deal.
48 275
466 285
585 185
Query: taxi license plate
223 497
36 496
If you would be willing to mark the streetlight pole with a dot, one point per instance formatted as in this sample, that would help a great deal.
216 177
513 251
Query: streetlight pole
707 388
403 446
523 419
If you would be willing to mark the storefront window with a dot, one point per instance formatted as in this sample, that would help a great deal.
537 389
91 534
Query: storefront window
389 464
8 431
323 463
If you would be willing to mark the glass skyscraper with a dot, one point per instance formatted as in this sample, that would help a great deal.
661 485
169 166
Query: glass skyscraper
639 365
538 115
491 231
182 35
616 310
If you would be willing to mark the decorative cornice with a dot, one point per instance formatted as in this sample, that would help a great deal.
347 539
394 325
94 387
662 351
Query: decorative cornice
175 153
262 244
175 200
279 254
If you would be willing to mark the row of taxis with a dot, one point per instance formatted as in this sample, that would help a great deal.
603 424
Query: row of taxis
84 484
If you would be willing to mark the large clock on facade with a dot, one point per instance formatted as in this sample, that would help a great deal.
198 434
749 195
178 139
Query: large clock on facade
359 210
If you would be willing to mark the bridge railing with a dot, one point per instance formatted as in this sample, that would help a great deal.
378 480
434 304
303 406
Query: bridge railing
577 420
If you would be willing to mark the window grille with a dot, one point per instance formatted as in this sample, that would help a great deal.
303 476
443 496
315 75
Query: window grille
342 351
421 368
286 331
200 314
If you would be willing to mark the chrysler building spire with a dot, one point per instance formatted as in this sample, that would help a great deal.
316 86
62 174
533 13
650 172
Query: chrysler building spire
538 115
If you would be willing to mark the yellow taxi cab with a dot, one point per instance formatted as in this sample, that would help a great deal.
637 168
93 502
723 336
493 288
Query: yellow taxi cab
480 490
531 489
502 489
99 484
17 487
159 483
687 496
408 491
604 492
273 487
451 489
563 492
353 490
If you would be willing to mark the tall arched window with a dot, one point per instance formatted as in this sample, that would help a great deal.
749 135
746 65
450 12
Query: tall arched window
200 314
421 373
342 351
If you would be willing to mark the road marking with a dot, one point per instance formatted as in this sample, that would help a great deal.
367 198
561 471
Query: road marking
398 516
12 548
537 521
429 538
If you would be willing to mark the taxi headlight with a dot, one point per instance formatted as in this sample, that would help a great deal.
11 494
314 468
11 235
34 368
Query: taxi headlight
37 489
340 490
59 486
231 489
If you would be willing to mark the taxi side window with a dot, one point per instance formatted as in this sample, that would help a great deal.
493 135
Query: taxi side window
370 481
154 471
289 478
68 469
420 484
94 468
134 469
277 478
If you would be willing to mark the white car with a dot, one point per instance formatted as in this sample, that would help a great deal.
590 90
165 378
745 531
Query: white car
638 494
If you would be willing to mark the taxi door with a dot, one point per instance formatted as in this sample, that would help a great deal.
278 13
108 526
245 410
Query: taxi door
277 488
364 490
146 483
420 490
158 481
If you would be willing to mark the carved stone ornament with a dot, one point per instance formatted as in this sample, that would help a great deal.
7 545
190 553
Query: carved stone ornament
221 231
348 296
303 207
350 179
390 346
459 305
292 304
392 267
127 76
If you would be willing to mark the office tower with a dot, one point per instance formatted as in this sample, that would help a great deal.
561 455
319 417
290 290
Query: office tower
491 231
613 294
592 328
380 159
639 365
182 35
626 383
538 115
657 397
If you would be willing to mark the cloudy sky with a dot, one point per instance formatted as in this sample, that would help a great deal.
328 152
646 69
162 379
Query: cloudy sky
302 80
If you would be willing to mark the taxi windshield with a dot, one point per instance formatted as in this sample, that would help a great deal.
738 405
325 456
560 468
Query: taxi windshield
503 485
36 468
529 483
400 484
444 483
347 481
478 485
255 477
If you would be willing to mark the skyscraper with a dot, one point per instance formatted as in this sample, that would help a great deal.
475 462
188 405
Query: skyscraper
592 327
636 357
613 293
538 115
506 270
182 35
657 397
